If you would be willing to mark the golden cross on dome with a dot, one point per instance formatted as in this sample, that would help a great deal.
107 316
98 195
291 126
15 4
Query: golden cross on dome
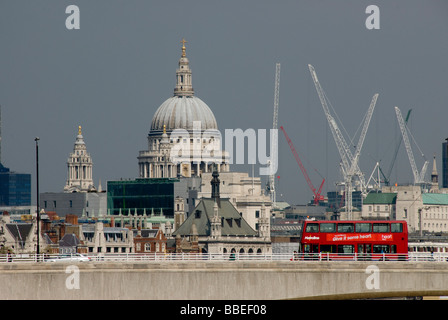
183 47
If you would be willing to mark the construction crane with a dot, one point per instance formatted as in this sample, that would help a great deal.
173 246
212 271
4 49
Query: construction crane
419 177
317 194
397 148
274 141
350 167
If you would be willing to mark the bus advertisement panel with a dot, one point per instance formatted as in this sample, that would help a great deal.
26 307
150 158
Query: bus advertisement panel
362 238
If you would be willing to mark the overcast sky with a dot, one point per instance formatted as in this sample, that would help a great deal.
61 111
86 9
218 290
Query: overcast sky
112 74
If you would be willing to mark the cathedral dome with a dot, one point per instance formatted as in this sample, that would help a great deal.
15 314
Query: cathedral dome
179 112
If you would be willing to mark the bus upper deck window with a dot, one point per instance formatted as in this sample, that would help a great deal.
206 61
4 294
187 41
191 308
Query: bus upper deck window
381 227
363 227
328 227
312 227
346 227
396 227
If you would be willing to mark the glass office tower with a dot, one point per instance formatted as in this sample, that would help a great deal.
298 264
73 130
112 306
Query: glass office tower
15 188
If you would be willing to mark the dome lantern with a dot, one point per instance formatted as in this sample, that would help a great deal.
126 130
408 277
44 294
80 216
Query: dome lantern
184 87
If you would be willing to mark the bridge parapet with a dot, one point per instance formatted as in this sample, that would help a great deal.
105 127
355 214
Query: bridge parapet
255 280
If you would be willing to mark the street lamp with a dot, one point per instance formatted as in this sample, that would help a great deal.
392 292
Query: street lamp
37 194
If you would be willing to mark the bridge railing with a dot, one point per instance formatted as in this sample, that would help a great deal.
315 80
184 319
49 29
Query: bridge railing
136 257
216 257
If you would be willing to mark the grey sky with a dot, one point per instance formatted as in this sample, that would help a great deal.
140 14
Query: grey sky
112 74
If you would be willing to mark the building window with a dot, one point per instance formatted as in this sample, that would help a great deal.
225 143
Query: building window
54 203
147 247
71 204
257 214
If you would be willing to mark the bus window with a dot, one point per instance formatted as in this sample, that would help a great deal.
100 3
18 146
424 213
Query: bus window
364 249
346 248
363 227
393 248
396 227
381 227
360 248
381 248
312 227
326 248
328 227
311 248
345 227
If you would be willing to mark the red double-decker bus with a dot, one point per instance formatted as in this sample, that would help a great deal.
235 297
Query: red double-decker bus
367 239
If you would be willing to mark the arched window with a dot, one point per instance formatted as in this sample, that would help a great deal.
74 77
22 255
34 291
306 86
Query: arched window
148 247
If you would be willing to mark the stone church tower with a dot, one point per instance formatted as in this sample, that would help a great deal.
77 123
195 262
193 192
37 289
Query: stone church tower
434 177
79 168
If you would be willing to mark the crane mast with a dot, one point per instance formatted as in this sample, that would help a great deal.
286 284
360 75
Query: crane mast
317 194
274 141
344 150
362 136
350 167
418 177
397 148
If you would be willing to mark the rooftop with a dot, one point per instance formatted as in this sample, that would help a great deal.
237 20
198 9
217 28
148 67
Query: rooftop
381 198
232 222
435 198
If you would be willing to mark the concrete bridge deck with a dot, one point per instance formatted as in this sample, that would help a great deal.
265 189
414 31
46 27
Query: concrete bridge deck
237 280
